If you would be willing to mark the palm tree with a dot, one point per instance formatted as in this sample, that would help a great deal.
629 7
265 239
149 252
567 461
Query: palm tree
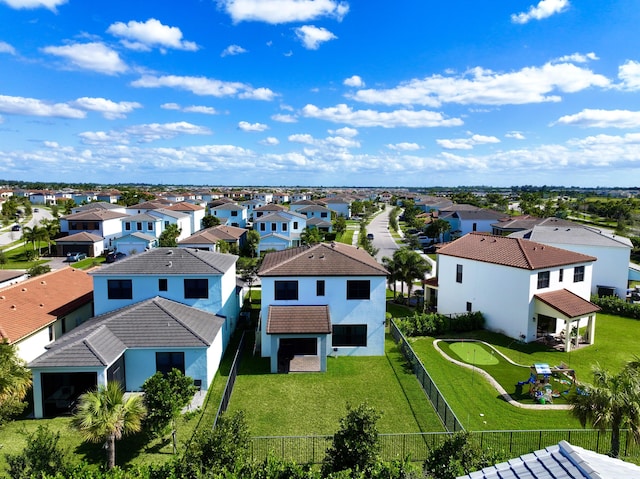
52 228
104 415
408 265
34 235
613 401
311 236
390 265
15 381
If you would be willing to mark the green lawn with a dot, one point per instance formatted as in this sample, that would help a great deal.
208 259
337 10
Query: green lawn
476 402
313 403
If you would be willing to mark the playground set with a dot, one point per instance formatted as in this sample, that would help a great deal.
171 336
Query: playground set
540 384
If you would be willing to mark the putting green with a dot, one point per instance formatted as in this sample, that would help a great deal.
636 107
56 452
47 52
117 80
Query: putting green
473 353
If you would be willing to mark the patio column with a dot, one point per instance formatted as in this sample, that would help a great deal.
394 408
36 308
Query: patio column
591 327
567 336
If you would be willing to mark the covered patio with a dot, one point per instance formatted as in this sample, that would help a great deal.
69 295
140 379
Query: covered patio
573 310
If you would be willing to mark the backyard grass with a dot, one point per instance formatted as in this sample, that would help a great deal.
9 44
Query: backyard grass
313 403
476 402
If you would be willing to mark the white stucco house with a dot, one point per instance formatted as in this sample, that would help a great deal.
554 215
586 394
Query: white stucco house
524 289
327 299
613 253
231 214
164 308
196 213
169 217
100 222
280 230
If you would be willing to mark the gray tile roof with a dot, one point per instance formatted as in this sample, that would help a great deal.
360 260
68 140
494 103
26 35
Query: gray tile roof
153 323
142 217
561 461
576 235
171 214
171 261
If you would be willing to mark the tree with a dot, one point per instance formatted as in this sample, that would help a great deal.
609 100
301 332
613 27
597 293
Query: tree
38 269
392 278
169 237
103 415
612 401
340 224
248 272
407 266
252 242
437 229
33 235
41 456
356 444
209 221
164 398
458 456
52 228
310 236
15 382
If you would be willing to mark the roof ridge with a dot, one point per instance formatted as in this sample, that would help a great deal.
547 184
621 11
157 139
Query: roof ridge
301 249
87 342
524 252
353 257
176 319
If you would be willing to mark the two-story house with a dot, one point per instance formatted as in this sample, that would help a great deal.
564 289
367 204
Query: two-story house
280 230
162 309
231 214
327 299
207 239
99 222
524 289
196 213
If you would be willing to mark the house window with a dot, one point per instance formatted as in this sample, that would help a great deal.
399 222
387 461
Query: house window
543 279
560 275
295 225
162 284
323 215
469 307
284 226
166 224
286 290
320 287
263 227
349 335
273 226
359 289
234 213
127 226
166 361
51 337
149 226
474 227
119 289
578 274
196 288
458 273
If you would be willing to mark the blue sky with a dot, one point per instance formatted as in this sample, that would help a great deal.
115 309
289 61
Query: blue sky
321 92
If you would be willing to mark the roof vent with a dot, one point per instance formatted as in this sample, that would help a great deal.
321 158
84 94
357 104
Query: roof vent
322 256
311 256
43 282
170 264
170 251
13 306
41 305
24 290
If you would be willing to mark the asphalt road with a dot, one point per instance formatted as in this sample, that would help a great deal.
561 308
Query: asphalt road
382 238
7 236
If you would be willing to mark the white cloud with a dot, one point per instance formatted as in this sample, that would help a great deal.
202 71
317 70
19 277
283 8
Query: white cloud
467 143
94 56
103 137
143 36
205 86
17 105
164 131
284 118
29 4
346 132
589 118
312 36
171 106
404 146
629 73
330 142
544 9
516 135
368 118
232 50
283 11
206 110
301 138
354 81
577 58
6 48
246 126
109 109
485 87
270 141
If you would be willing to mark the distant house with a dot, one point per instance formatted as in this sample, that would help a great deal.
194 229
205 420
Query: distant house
99 222
207 239
163 308
37 311
134 243
524 289
169 217
299 204
146 223
231 214
466 219
251 206
513 224
327 299
195 212
342 206
610 271
88 243
280 230
267 209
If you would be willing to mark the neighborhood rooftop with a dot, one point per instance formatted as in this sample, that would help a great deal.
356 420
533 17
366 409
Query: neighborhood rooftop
513 252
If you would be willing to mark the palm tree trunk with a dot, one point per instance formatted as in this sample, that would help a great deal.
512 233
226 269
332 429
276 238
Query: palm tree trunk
111 451
615 437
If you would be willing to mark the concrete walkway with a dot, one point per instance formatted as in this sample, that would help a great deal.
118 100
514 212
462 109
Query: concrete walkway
495 383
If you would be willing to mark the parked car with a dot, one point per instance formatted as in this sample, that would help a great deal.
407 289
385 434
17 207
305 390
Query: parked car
36 210
370 236
15 228
73 257
115 256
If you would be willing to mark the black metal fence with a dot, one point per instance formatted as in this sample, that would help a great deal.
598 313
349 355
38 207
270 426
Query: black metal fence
446 414
417 446
231 381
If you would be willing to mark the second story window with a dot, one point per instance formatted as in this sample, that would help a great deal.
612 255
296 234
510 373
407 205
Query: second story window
560 275
285 290
284 226
295 225
263 227
578 274
359 289
127 226
197 288
149 226
119 289
320 287
273 226
162 284
234 213
458 273
139 225
543 279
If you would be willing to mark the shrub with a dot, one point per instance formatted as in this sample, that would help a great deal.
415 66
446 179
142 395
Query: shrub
434 324
617 306
42 455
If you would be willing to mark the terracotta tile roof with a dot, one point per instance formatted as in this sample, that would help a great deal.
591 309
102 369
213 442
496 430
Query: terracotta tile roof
568 303
184 206
513 252
335 259
83 236
298 320
29 306
214 234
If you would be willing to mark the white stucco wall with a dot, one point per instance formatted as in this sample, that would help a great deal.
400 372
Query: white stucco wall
342 311
140 364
